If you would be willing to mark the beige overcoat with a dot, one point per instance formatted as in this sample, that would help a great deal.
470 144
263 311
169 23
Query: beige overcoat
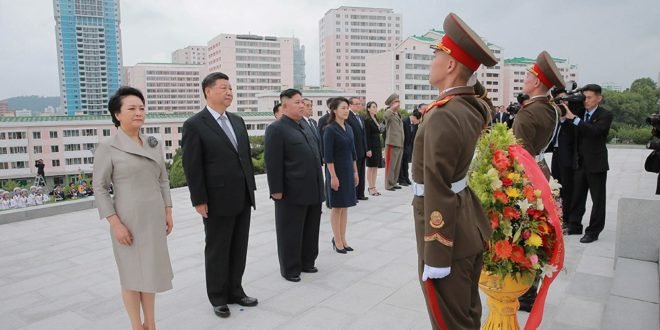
141 193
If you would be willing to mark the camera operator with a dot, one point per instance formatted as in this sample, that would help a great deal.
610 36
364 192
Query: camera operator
591 173
39 164
652 163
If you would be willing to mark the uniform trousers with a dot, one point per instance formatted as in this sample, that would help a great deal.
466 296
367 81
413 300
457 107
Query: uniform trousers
393 157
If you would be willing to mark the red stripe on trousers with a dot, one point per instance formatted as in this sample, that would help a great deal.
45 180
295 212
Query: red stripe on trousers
432 301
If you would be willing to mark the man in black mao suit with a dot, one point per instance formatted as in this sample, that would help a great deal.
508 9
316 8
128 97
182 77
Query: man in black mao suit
410 125
591 174
220 176
360 140
293 164
311 123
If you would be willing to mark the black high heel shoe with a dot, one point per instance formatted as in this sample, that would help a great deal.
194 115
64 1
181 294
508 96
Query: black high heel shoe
334 246
348 248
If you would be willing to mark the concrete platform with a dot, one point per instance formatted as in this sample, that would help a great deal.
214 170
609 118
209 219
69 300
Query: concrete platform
58 272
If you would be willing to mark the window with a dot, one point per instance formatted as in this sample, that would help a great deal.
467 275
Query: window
168 143
179 129
55 162
71 147
53 134
38 149
88 160
168 130
3 151
16 135
71 132
3 136
54 149
168 155
4 166
36 135
153 130
19 164
73 161
106 132
89 132
18 150
88 146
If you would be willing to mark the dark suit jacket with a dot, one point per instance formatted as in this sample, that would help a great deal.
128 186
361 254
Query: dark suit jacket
372 133
407 135
501 117
293 163
567 152
592 140
359 136
217 173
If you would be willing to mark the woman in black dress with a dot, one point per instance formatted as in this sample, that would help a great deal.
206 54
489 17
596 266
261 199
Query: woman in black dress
341 176
372 130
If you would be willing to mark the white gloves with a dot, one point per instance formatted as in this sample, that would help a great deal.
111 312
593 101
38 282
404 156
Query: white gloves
434 272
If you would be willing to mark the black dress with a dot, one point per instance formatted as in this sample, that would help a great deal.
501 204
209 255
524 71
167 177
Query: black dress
373 143
339 149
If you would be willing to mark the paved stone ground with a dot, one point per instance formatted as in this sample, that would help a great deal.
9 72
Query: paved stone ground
59 273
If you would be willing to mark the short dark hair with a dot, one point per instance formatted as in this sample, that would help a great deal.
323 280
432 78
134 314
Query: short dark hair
114 104
419 106
306 99
334 105
417 114
276 108
593 88
351 99
289 93
210 79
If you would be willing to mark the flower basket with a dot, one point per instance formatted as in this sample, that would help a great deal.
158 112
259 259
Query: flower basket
524 215
502 299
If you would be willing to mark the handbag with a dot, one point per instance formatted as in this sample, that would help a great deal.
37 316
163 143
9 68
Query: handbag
652 163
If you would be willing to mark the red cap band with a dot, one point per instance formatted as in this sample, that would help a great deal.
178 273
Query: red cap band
536 70
448 46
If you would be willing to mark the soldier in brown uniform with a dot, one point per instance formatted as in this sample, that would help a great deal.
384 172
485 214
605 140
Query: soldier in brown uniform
450 224
535 126
537 120
393 142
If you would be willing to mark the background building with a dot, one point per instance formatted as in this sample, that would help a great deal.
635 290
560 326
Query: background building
168 88
256 64
347 36
88 53
515 70
190 55
4 109
405 71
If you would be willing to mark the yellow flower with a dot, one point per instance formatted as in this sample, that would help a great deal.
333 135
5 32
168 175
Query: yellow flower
512 192
514 176
534 240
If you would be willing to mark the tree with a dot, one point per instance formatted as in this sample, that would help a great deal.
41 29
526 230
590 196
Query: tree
632 106
176 175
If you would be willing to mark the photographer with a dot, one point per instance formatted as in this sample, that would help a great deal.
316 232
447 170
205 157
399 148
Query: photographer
652 163
39 164
591 173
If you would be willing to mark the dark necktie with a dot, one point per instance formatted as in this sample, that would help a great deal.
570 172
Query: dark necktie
586 117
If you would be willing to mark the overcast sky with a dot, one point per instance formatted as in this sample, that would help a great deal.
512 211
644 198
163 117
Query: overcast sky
610 40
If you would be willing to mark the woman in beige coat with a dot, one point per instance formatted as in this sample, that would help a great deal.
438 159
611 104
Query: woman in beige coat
140 213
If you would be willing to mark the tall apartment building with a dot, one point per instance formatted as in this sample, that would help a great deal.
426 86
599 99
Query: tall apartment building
256 64
405 71
167 87
4 109
88 53
347 36
190 55
515 70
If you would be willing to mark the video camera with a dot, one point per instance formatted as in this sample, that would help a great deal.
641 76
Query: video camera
513 108
573 94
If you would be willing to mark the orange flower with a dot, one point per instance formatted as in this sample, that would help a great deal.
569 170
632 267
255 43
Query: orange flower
528 191
501 196
500 160
510 213
518 254
503 249
494 220
543 228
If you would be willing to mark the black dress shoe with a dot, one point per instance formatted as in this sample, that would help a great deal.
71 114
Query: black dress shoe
310 270
390 189
246 301
363 198
588 238
222 311
404 183
292 278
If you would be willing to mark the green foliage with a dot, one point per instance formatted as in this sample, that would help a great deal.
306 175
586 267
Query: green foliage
176 175
258 163
629 134
633 105
10 185
257 145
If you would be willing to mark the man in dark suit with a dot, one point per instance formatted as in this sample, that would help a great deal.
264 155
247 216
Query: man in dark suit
220 176
409 131
311 123
501 116
591 174
360 141
296 185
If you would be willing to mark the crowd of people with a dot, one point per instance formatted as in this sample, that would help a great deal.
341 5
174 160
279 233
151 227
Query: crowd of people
21 197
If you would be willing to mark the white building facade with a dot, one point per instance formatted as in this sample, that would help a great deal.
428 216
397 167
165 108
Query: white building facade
168 88
515 70
190 55
348 35
256 64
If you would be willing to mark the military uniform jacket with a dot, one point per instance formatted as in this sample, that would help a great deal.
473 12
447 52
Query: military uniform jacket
455 224
534 124
393 128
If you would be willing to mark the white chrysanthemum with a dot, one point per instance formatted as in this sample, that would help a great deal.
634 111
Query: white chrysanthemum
548 270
